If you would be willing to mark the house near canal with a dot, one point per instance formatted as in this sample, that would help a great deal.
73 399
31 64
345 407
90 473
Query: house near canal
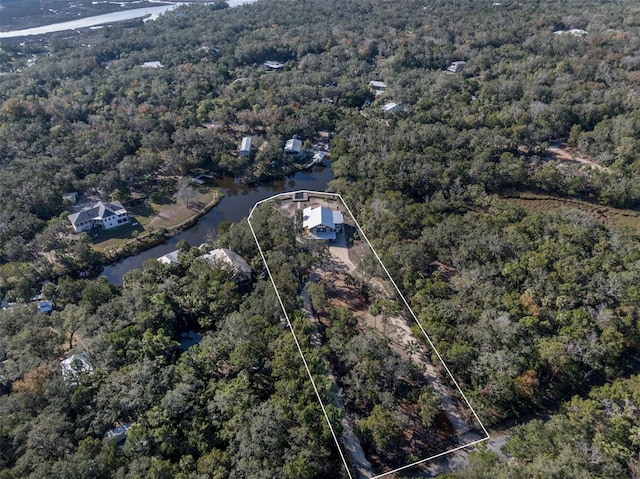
293 148
322 222
245 147
101 215
225 258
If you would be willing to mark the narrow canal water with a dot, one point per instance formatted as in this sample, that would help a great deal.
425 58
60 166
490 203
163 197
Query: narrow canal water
236 204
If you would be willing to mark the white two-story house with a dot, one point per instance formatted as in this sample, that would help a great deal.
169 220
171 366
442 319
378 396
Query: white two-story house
102 215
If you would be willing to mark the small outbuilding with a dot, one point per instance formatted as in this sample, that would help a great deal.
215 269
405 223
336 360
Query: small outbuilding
576 32
390 107
70 198
456 67
273 65
45 306
154 64
119 433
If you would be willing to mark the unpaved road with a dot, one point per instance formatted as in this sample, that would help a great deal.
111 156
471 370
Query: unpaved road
560 151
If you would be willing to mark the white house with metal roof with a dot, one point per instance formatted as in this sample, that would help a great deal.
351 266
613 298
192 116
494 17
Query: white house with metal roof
293 147
101 215
390 107
322 222
457 66
378 87
245 147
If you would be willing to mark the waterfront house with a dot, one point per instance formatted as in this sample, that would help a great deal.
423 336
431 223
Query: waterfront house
226 258
245 147
75 367
322 222
170 258
101 215
293 148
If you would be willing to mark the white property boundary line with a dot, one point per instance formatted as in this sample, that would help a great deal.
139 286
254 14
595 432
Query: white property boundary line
264 260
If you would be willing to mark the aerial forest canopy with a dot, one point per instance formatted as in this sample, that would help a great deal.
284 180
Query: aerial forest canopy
536 312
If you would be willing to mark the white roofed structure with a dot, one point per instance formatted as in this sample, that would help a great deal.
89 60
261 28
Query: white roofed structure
378 87
245 147
227 258
322 222
293 147
100 215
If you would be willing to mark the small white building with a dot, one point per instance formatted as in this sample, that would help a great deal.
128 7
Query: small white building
456 67
576 32
273 65
101 215
319 157
245 147
293 148
378 87
154 64
75 367
390 107
119 433
321 222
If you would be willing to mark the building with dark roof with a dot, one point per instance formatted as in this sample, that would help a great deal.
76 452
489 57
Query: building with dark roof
101 215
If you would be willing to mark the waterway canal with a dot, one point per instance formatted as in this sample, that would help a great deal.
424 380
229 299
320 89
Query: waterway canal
236 204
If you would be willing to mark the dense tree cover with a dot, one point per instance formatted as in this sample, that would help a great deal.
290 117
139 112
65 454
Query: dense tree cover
526 310
238 404
590 437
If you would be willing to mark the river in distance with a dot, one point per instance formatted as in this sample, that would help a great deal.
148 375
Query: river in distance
150 12
236 204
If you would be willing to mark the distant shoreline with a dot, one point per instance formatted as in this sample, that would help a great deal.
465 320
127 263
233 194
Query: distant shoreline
148 13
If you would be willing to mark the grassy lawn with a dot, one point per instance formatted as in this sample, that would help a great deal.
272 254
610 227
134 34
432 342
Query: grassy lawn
105 240
155 214
610 217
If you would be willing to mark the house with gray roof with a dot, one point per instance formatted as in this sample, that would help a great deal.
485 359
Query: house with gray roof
293 148
101 215
170 258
